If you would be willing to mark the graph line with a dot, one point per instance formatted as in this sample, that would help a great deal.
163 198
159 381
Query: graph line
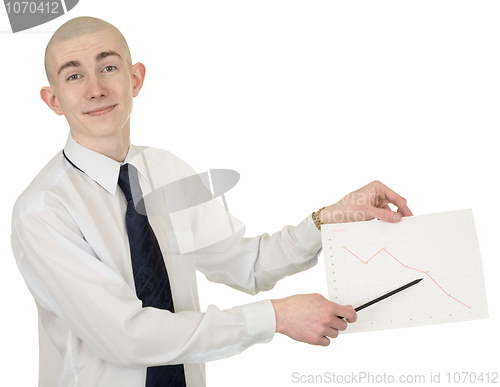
406 266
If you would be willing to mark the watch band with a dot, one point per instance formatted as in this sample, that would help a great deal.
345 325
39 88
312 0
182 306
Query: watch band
315 216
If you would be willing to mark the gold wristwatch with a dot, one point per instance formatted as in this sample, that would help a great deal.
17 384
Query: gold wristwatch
315 216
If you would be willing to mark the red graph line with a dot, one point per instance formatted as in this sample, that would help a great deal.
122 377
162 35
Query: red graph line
408 267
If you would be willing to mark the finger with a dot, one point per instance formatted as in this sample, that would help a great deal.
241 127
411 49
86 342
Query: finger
384 214
348 312
394 198
406 212
332 332
323 341
410 213
353 317
338 323
352 321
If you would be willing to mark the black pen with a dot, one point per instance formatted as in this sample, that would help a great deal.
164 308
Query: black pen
386 295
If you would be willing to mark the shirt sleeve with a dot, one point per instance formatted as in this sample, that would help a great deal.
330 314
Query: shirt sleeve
225 255
74 290
256 264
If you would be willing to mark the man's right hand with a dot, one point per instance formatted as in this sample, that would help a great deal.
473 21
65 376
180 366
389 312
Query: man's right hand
311 318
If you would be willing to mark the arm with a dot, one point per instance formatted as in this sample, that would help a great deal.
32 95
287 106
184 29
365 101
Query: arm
75 290
255 264
223 253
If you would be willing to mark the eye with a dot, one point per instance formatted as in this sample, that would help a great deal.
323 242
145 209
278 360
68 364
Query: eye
108 69
73 77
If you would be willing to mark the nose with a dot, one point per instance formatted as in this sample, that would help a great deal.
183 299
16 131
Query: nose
96 87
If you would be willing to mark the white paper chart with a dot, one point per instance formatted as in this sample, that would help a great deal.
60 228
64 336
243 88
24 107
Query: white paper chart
367 259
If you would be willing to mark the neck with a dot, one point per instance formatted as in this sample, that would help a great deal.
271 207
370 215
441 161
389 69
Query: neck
113 146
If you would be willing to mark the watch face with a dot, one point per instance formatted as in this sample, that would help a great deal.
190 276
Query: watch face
24 15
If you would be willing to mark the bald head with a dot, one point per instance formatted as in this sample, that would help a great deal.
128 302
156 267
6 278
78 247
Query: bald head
75 28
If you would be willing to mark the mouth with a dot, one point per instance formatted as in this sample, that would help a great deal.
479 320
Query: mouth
100 111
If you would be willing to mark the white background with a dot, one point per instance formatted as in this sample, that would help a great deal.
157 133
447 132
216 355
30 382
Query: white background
308 100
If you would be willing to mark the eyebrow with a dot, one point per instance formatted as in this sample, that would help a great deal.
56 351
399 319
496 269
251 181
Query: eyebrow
98 58
105 54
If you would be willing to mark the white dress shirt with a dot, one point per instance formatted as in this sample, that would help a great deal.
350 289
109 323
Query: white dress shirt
70 242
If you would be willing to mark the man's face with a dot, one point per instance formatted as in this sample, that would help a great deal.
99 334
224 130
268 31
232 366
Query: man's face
93 85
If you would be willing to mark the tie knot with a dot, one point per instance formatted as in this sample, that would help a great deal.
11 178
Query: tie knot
128 181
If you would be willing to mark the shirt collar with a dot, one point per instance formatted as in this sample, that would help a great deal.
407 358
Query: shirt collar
102 169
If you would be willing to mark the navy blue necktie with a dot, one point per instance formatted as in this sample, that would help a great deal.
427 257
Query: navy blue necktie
150 274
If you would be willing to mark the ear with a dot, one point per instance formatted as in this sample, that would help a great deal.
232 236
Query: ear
138 75
50 99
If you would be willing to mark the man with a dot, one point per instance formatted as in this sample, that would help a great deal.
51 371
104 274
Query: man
75 247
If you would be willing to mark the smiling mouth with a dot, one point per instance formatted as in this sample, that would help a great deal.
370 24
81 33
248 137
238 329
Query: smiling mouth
100 111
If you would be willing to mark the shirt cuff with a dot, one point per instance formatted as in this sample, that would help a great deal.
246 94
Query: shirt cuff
308 235
261 321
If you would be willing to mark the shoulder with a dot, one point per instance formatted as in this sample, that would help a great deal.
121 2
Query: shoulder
44 188
158 153
162 161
